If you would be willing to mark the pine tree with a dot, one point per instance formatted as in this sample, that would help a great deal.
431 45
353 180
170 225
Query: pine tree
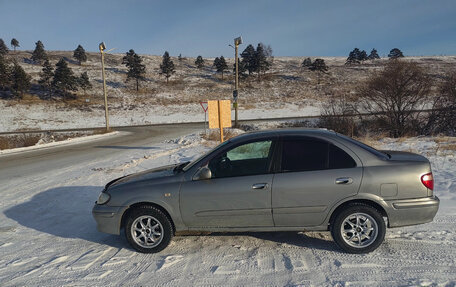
14 44
362 56
20 81
261 62
167 66
64 80
373 55
46 76
199 62
395 53
306 63
216 63
180 58
5 74
84 82
136 69
39 54
220 65
3 49
354 57
242 69
319 65
248 59
80 55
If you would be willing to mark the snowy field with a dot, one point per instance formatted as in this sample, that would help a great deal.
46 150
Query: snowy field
48 236
41 117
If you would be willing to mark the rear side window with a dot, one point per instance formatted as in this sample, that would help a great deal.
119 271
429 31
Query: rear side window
304 155
339 159
307 154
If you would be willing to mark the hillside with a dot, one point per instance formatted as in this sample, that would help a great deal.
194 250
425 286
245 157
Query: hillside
287 89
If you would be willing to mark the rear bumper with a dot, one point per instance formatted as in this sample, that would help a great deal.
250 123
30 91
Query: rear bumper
412 211
108 218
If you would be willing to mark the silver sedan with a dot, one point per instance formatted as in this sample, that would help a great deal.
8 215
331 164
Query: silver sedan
276 180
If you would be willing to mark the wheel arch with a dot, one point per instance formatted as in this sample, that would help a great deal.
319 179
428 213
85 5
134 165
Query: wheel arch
145 203
367 202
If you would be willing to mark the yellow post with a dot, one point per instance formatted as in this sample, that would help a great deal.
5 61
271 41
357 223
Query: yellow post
220 121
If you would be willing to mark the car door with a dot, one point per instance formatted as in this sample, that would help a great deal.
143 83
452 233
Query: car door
314 174
239 192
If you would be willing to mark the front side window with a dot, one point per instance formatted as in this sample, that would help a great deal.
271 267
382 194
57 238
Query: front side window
247 159
307 154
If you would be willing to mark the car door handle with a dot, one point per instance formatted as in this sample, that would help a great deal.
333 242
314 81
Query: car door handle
260 186
344 180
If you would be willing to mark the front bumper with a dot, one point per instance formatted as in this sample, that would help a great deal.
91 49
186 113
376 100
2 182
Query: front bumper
412 211
108 218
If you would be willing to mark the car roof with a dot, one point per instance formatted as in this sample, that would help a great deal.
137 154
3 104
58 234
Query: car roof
283 132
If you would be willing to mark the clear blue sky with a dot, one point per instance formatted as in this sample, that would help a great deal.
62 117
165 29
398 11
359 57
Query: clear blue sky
292 28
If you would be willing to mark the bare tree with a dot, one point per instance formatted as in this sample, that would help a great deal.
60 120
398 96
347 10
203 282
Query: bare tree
393 94
338 115
443 118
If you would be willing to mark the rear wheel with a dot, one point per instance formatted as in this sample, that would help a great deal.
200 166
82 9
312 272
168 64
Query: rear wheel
359 228
148 229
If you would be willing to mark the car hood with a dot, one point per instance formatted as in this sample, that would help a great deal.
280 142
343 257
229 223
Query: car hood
155 173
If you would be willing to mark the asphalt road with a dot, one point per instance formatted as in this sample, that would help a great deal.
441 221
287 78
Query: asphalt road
28 163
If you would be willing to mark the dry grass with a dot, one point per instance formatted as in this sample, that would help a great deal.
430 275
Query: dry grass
25 140
450 147
446 147
4 143
285 82
99 132
372 139
214 135
16 141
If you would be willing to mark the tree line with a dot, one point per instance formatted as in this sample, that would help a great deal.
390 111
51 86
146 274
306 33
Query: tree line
59 81
358 56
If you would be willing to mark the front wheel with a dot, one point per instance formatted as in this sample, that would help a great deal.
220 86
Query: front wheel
359 228
148 229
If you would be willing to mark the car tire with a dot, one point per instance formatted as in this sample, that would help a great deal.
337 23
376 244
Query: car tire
148 229
358 228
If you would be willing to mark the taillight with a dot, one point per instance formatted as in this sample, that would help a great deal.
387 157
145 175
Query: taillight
428 180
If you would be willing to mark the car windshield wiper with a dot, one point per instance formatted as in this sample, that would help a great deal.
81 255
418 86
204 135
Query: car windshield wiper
179 167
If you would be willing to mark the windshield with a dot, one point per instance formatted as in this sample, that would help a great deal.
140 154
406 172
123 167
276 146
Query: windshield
365 147
189 166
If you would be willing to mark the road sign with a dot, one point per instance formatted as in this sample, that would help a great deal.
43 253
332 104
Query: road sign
204 105
235 95
219 115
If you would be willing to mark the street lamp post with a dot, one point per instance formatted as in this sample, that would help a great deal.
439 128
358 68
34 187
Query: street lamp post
237 42
102 47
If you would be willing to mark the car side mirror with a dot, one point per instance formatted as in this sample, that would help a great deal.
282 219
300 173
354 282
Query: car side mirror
203 173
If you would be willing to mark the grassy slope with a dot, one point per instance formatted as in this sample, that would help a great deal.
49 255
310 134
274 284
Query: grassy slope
285 83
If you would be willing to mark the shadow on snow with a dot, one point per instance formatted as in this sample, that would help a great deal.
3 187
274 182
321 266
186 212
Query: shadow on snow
67 212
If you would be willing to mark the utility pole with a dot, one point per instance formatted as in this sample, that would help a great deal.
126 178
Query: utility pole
237 42
102 47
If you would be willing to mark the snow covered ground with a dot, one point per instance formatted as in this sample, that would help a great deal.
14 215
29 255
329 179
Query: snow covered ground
41 117
48 236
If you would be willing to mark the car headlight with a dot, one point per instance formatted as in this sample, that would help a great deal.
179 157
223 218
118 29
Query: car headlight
103 198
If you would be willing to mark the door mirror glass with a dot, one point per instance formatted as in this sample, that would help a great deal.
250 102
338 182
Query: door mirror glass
203 173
